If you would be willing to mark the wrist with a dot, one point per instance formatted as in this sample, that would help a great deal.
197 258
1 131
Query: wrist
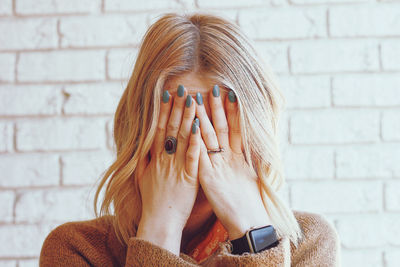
161 233
239 228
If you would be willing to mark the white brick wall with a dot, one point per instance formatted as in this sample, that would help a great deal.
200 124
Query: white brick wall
64 65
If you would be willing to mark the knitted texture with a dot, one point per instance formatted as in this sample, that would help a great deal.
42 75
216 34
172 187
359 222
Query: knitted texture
94 243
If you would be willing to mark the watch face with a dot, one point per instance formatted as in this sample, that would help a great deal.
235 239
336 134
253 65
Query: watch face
262 238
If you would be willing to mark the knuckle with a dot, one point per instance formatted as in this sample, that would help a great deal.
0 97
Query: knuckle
172 128
160 128
191 156
182 136
208 135
223 130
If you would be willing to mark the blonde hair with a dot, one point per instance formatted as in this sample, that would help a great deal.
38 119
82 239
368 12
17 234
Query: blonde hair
175 45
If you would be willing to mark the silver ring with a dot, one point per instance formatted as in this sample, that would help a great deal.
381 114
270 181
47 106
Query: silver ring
170 144
218 150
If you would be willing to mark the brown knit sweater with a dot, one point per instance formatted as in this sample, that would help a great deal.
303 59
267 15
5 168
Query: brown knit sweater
94 243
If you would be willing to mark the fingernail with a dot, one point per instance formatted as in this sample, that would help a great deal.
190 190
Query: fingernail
194 128
181 90
165 97
216 91
188 101
232 96
199 99
197 121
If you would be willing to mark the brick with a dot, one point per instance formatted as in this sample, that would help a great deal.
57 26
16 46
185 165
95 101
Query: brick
103 31
306 92
30 100
32 33
85 168
6 137
120 63
137 5
366 90
392 257
275 55
98 98
7 206
308 163
6 9
351 21
307 2
334 126
335 196
368 161
23 240
362 257
327 56
390 54
61 66
355 231
50 205
7 67
110 136
262 23
60 134
283 130
392 196
237 3
8 263
29 170
391 125
56 6
28 263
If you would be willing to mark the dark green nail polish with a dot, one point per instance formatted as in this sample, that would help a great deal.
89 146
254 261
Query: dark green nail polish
165 97
181 90
194 128
232 96
197 121
216 91
188 101
199 99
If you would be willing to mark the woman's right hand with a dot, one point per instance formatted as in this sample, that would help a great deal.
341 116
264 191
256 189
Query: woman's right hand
168 183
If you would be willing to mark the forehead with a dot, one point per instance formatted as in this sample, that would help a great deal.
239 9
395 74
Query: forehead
193 83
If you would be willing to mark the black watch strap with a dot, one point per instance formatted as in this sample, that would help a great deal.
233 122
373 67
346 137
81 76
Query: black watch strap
260 239
240 245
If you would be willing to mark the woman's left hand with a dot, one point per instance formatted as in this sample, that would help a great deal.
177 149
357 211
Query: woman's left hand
229 183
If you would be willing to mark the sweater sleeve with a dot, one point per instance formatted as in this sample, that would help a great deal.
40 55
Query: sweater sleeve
321 245
143 253
274 257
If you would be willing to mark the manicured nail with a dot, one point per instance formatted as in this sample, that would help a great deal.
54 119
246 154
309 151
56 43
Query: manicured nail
194 128
188 101
165 97
232 96
181 90
199 99
216 91
197 121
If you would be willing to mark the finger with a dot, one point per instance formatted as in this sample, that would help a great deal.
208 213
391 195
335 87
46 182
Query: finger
232 114
175 118
193 151
218 117
141 167
165 108
204 160
207 130
186 126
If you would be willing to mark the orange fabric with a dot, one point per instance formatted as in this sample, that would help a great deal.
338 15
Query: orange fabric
204 245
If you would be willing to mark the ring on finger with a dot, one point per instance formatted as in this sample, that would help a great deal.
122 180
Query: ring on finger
170 144
213 151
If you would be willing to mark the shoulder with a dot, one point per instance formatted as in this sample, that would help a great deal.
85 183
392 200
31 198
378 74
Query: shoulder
320 239
70 231
80 241
314 224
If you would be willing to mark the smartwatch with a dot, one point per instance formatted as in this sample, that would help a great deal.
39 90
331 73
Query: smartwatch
255 240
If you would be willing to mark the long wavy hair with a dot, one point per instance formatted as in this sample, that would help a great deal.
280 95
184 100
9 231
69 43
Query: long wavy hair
176 45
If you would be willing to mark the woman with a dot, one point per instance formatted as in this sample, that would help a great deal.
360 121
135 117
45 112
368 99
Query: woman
197 165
